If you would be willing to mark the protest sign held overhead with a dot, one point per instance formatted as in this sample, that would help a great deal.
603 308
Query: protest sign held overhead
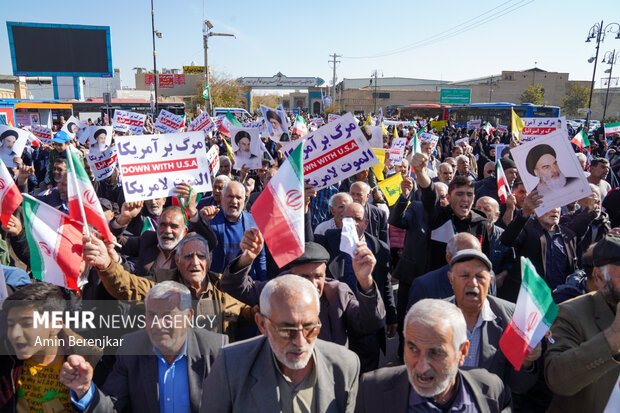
72 127
334 152
474 124
428 137
202 122
213 157
12 144
152 165
277 123
42 133
536 127
102 162
332 117
100 136
548 164
125 121
246 147
168 122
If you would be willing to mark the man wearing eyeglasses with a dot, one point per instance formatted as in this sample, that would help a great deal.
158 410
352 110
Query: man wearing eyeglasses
287 369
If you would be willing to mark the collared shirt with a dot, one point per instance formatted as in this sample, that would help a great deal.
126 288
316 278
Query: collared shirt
162 261
319 205
474 335
300 398
556 259
322 228
462 402
173 382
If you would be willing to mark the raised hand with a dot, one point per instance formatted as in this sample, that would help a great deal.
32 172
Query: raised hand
77 374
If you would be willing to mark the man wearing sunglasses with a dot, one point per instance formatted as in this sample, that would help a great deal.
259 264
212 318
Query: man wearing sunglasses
287 369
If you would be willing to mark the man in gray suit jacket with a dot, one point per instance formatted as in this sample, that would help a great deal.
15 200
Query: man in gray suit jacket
160 369
288 369
435 347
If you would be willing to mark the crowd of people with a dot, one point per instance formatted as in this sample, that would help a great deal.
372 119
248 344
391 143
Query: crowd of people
437 272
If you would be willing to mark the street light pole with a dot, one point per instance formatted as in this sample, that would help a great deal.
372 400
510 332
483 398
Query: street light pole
206 33
154 56
598 31
611 59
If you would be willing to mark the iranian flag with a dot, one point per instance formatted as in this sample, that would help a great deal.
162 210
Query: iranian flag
279 210
300 127
226 122
534 313
581 140
55 243
83 201
502 184
611 128
415 142
9 194
488 128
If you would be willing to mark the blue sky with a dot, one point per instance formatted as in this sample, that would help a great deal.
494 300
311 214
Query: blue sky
296 40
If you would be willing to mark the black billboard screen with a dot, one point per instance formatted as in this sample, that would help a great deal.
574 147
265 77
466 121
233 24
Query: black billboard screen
38 49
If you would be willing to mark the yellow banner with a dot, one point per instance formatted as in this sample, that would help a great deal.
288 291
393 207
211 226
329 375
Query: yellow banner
378 168
391 188
438 124
189 70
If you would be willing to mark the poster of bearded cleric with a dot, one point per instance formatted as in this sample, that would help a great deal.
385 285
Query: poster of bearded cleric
548 164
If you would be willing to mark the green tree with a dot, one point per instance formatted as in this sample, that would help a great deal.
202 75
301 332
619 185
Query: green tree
225 92
576 97
534 94
270 100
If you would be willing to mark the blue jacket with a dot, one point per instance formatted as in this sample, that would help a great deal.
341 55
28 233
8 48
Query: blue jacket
228 247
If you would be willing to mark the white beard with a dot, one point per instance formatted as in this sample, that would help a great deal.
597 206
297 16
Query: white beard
550 185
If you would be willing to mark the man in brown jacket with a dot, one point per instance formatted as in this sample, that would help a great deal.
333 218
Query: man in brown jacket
192 270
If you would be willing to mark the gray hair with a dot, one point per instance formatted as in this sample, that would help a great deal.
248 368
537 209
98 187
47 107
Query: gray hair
456 243
185 240
336 196
596 189
224 158
167 289
225 178
230 183
441 185
433 312
286 286
462 157
489 163
364 186
582 157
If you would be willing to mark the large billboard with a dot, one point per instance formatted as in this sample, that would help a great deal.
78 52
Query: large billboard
40 49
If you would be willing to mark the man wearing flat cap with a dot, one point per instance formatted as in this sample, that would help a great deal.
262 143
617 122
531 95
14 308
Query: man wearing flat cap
487 317
341 311
583 363
542 162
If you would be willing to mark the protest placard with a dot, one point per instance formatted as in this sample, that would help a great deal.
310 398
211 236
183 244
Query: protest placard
396 155
246 147
399 143
376 139
474 124
152 165
331 117
277 124
502 128
549 165
433 139
334 152
100 136
12 144
202 122
72 127
168 122
317 121
213 158
102 162
536 127
125 121
43 134
439 124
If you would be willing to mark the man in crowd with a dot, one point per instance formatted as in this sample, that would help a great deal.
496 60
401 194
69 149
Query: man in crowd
582 362
160 368
342 310
377 218
599 169
337 204
446 173
288 368
229 225
463 167
443 222
436 346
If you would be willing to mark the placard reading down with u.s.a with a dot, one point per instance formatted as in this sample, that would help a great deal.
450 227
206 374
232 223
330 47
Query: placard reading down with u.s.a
334 152
152 165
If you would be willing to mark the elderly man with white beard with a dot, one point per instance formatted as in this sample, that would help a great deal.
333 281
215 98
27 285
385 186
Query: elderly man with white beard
542 162
287 369
430 381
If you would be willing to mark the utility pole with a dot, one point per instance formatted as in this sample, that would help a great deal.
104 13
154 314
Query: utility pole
206 33
374 74
334 62
490 89
154 57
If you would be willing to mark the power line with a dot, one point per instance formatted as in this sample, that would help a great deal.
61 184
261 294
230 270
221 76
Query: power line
469 24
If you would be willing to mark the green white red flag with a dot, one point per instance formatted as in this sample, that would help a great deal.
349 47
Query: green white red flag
534 313
9 194
300 127
581 140
279 210
84 205
226 122
502 184
488 128
55 243
611 128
